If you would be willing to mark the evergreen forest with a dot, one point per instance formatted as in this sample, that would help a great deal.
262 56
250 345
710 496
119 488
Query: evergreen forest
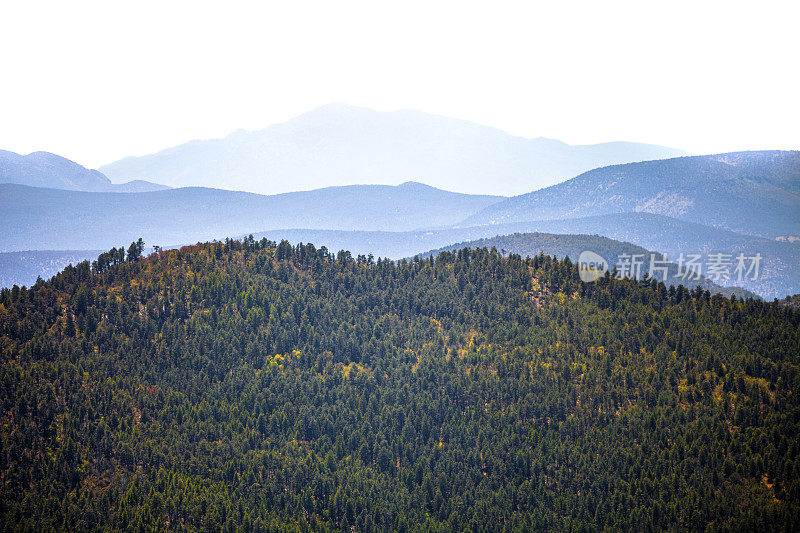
250 385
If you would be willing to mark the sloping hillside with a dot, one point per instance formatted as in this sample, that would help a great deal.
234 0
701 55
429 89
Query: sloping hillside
756 193
778 274
614 253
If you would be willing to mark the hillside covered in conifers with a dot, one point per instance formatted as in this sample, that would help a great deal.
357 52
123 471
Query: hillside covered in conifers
272 387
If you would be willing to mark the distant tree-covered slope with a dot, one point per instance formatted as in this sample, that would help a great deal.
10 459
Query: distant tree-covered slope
408 244
339 144
791 301
756 193
778 276
43 169
279 387
779 271
571 246
35 218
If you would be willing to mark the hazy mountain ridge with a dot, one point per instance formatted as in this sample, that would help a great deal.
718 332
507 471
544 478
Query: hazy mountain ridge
756 193
38 218
43 169
22 268
338 144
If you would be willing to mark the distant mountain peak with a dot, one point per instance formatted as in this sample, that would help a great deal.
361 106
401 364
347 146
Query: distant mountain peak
339 144
415 184
45 169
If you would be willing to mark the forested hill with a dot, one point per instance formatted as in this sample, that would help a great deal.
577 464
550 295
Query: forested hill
564 246
279 387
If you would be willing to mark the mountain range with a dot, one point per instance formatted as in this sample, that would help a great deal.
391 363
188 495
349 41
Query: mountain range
755 193
339 143
737 203
39 218
43 169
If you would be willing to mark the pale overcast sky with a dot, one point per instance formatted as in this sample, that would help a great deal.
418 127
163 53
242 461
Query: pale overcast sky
97 81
